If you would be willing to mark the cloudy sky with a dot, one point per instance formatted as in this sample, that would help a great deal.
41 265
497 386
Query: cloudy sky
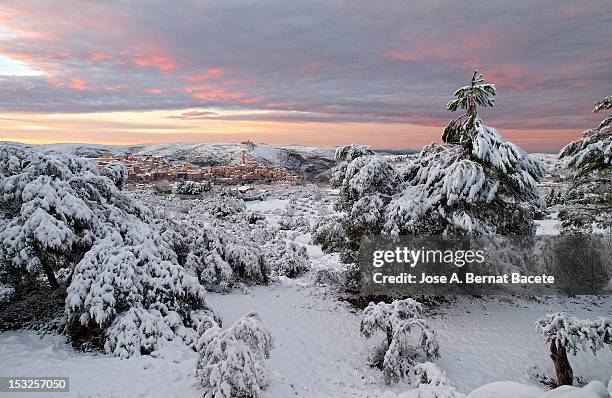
297 72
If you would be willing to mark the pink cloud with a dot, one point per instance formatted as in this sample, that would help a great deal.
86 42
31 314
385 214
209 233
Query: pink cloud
214 94
210 74
158 61
78 84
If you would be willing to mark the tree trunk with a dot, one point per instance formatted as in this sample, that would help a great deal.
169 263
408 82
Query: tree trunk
50 276
46 265
565 374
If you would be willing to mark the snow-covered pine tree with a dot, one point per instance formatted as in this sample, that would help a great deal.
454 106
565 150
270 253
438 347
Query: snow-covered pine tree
126 291
476 183
398 353
566 333
588 200
232 361
367 183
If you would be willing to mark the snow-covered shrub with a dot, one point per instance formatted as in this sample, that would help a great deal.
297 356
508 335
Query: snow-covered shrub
367 176
409 338
588 201
116 172
329 270
127 292
328 233
368 185
223 252
566 333
476 183
429 381
288 259
345 155
291 219
254 217
232 361
221 257
428 373
192 187
228 206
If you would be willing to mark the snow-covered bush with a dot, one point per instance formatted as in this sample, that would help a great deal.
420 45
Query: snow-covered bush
409 338
328 233
222 252
221 258
329 270
566 333
227 206
429 381
192 187
127 293
428 373
287 258
476 183
116 172
291 219
588 201
232 361
368 185
345 155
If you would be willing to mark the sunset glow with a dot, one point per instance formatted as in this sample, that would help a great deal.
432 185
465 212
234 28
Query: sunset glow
115 73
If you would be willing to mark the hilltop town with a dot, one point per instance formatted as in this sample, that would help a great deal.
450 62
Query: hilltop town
149 168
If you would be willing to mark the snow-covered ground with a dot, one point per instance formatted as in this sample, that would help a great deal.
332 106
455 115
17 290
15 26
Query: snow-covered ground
318 349
319 352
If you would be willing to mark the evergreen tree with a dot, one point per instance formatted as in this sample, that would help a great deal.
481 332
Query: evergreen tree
126 292
566 333
367 183
476 183
588 200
